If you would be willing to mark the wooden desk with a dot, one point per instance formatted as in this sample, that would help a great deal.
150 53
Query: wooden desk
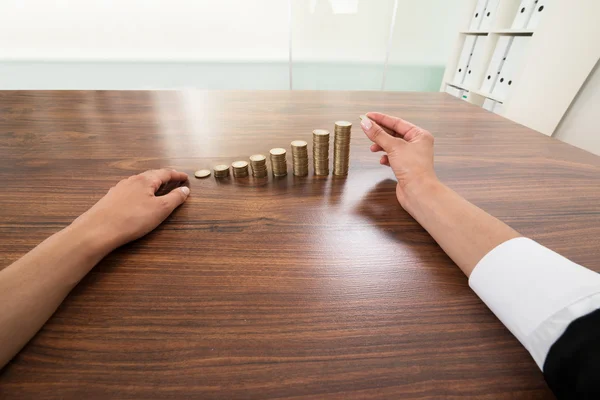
307 287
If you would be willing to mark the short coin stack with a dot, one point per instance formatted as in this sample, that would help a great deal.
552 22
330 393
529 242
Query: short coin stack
202 173
221 171
321 151
278 162
258 162
300 157
341 147
240 169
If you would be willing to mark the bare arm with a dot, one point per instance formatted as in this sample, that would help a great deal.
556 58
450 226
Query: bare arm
33 287
463 230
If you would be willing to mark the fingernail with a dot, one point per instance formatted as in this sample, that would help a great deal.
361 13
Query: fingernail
185 190
366 124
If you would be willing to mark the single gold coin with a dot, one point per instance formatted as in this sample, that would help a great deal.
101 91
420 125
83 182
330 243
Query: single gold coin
239 164
258 158
343 123
202 173
277 151
363 117
299 143
321 132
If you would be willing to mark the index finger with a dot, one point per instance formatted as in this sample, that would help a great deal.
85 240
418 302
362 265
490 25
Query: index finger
158 177
398 125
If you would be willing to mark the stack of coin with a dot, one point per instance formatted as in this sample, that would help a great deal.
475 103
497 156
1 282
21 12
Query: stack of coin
240 169
258 162
202 173
341 147
321 151
278 162
221 171
300 157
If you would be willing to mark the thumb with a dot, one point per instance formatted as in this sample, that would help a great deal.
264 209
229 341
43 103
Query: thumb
176 197
378 135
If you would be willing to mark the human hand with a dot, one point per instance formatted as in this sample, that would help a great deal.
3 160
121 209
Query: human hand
131 209
408 148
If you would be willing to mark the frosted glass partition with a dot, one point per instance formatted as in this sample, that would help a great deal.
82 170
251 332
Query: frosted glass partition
339 44
422 40
211 30
226 44
173 43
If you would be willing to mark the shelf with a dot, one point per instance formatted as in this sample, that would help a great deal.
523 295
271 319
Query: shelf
477 92
516 32
538 78
506 32
474 32
461 87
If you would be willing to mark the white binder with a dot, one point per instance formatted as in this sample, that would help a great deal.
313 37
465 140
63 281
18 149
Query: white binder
478 15
488 104
475 66
463 61
496 63
512 66
489 15
539 9
523 14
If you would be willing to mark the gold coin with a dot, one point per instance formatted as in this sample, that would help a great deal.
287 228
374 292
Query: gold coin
239 164
257 158
221 168
202 173
321 132
343 124
278 151
299 143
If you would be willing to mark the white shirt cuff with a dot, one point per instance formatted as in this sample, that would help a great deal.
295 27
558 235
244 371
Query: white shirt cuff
535 292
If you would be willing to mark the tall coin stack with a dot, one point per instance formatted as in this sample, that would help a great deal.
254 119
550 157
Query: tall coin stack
221 171
240 169
300 157
258 162
341 147
278 162
321 151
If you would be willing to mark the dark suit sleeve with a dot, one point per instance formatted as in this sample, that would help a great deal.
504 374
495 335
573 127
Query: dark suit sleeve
572 367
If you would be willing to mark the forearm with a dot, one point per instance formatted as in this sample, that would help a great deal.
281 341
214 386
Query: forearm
465 232
33 287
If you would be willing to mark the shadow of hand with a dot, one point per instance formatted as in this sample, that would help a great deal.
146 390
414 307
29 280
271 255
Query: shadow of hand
381 208
380 203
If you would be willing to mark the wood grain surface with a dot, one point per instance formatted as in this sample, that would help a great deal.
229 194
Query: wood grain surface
282 288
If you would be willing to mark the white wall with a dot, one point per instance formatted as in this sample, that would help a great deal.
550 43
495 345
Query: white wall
54 44
579 125
426 30
225 30
320 33
144 30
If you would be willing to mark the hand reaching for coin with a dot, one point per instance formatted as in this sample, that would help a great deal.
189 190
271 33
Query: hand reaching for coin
131 209
408 148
